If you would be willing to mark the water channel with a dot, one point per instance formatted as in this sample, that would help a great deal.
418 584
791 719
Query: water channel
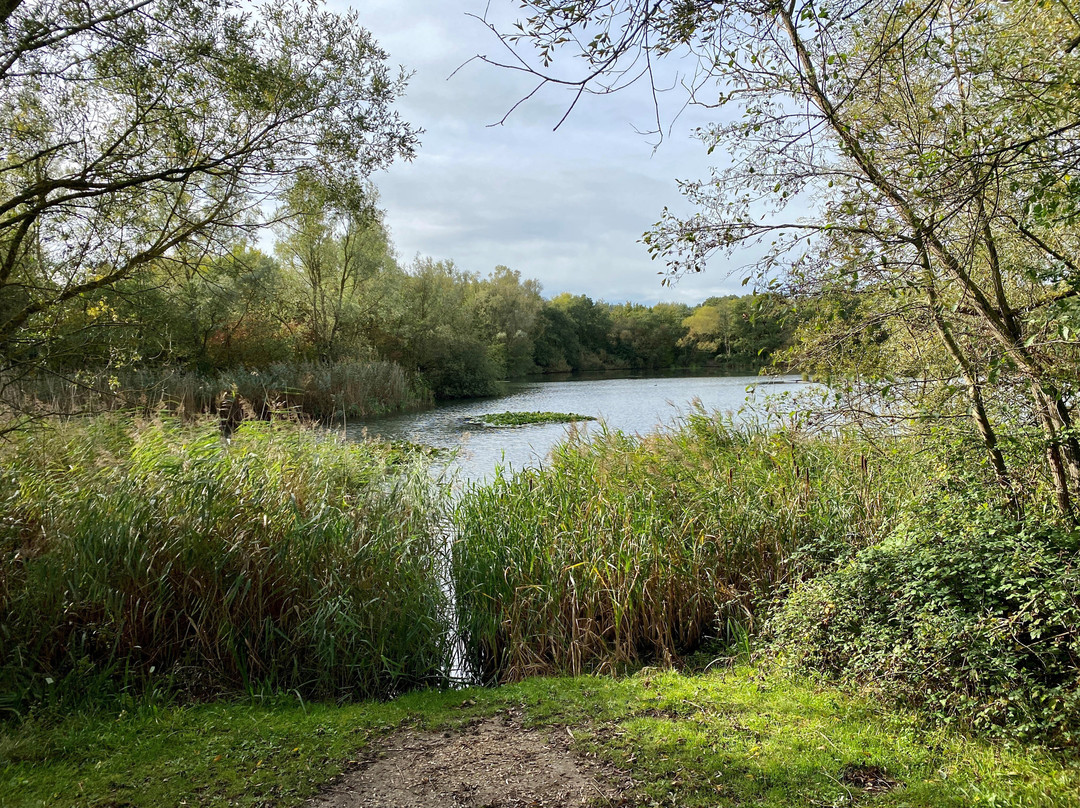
637 405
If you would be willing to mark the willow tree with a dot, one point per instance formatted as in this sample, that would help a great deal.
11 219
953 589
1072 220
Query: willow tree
132 128
337 254
925 151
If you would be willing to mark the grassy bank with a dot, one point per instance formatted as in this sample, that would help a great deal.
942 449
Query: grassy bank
142 556
728 738
626 550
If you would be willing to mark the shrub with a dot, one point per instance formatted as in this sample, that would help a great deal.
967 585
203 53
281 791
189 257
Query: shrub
962 610
285 558
461 368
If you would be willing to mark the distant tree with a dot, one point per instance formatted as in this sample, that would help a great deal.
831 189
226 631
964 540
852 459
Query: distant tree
647 337
592 327
336 251
745 331
556 347
435 333
711 329
505 310
210 312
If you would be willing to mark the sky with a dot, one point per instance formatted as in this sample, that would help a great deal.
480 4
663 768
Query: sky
567 207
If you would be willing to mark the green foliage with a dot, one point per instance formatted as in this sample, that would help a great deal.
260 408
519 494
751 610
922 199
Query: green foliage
944 261
522 418
335 251
144 134
648 337
623 550
308 328
156 555
962 610
740 331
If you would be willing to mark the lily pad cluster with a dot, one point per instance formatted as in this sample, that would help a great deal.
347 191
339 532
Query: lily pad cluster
525 418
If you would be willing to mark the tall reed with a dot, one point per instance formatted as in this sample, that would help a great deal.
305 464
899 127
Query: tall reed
622 549
135 553
324 392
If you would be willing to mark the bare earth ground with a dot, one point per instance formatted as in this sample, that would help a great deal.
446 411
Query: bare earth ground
492 763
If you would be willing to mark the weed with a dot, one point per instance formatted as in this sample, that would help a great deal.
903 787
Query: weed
624 550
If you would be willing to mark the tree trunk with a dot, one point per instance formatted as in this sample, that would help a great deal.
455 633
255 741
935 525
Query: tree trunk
7 8
978 406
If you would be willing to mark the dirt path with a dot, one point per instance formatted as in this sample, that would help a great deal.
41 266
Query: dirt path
492 763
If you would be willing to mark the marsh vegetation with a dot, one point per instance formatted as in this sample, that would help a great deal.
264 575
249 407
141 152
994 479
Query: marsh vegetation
526 418
913 537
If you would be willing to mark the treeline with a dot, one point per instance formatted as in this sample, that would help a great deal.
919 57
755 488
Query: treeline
332 323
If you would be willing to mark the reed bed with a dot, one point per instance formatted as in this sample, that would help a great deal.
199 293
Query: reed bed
325 392
624 550
137 555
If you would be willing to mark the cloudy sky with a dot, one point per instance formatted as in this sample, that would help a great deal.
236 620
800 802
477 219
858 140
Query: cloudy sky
565 207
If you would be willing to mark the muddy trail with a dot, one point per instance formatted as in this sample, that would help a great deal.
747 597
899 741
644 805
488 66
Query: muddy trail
490 763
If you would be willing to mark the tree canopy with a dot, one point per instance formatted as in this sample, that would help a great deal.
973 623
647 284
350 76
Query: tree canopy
920 154
137 133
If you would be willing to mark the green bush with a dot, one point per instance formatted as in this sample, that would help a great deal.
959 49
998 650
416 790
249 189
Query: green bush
461 368
962 610
139 554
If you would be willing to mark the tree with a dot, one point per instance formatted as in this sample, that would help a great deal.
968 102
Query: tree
930 147
647 337
592 328
206 313
436 335
134 128
556 346
336 250
505 310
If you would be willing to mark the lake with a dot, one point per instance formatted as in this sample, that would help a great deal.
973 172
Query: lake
635 405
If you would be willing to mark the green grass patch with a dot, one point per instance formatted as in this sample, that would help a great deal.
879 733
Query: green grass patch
728 738
526 418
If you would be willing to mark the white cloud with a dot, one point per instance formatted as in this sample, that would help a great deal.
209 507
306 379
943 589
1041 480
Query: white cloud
567 208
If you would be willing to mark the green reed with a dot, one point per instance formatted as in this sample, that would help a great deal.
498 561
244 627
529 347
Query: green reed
327 392
624 549
134 555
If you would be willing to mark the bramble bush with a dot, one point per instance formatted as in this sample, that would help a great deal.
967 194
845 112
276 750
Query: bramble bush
962 610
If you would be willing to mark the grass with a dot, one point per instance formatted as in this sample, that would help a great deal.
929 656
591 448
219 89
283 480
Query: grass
739 736
159 555
626 550
525 418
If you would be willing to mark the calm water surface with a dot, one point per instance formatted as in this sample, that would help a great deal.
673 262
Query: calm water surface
635 405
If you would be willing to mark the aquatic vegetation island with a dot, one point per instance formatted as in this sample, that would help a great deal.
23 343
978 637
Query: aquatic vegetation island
526 418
